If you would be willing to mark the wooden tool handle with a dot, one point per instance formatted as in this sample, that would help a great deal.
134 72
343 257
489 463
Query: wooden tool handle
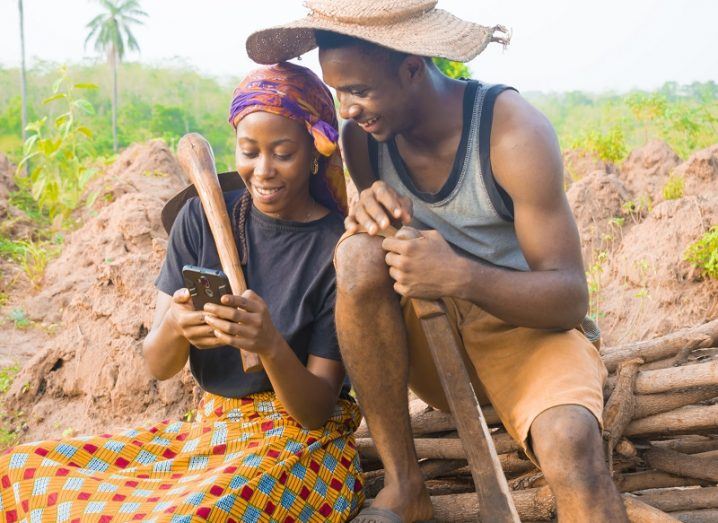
196 158
495 502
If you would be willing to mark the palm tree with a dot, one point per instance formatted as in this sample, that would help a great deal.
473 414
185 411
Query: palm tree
112 35
23 79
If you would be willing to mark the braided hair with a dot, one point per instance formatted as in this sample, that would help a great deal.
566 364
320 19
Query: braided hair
240 213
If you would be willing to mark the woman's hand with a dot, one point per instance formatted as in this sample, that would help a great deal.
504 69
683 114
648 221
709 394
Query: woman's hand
244 322
189 323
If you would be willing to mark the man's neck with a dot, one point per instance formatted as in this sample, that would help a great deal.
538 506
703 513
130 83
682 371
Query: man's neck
438 115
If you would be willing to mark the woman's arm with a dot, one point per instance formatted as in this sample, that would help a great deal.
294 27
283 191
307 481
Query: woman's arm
175 326
308 393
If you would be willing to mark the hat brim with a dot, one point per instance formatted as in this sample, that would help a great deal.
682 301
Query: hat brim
228 181
437 33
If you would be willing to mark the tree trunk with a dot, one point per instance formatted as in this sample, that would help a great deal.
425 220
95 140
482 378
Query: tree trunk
23 78
113 62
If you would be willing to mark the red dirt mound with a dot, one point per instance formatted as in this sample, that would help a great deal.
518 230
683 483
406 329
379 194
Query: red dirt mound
597 201
700 172
578 164
148 168
99 297
647 169
92 373
647 289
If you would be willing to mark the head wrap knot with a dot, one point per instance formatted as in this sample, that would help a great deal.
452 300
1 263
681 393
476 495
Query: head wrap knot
295 92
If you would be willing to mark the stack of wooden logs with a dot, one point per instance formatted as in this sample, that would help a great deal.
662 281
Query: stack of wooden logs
661 426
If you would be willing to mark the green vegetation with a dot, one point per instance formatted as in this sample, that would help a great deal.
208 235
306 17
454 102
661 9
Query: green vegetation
704 253
155 102
452 69
684 116
7 374
57 154
674 187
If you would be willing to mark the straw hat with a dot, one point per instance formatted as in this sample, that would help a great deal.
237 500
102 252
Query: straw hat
410 26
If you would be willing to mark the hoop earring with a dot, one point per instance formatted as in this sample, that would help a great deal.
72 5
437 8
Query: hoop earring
315 166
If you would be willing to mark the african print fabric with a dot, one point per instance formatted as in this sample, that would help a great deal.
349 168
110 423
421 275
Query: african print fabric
242 460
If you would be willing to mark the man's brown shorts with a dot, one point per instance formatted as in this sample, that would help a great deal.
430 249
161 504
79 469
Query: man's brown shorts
521 371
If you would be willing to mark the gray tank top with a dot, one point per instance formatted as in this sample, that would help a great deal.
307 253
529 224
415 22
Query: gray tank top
471 211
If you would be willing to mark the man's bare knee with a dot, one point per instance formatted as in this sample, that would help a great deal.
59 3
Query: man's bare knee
565 439
360 264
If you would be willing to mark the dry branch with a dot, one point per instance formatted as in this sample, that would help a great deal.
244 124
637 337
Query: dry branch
674 500
639 512
438 448
697 516
703 336
652 479
682 464
692 444
619 409
686 420
650 404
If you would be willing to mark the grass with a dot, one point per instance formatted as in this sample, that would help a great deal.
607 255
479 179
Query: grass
7 374
703 253
674 188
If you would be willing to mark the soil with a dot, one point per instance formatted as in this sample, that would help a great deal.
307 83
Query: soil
82 367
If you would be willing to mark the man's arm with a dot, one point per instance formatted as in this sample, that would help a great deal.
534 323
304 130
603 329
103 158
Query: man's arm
527 163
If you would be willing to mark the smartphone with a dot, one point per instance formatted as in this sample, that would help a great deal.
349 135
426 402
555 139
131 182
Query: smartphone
205 285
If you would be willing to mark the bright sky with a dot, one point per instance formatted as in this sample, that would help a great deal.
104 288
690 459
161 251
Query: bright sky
558 45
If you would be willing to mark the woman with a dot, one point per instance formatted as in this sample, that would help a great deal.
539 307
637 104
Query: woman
270 446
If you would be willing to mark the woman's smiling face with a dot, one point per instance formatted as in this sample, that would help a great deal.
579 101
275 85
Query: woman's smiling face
273 156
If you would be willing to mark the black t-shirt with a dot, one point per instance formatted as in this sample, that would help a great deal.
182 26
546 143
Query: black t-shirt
289 265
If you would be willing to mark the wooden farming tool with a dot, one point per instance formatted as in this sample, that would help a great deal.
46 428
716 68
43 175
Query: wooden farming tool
495 502
196 158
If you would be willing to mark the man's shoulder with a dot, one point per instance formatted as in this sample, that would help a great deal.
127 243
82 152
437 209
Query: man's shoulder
513 114
524 146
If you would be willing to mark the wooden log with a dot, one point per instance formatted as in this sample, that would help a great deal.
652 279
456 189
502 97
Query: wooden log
703 374
676 378
438 448
445 486
675 500
653 479
697 516
532 504
650 404
535 505
702 336
640 512
619 410
691 419
626 449
512 464
691 444
682 464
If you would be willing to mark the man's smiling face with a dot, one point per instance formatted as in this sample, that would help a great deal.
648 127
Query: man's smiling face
369 89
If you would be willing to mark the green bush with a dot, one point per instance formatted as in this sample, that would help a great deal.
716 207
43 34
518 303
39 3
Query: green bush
704 253
57 151
674 187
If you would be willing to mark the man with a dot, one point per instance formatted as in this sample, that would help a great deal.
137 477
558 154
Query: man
479 171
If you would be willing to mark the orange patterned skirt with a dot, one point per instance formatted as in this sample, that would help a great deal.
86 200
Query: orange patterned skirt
242 460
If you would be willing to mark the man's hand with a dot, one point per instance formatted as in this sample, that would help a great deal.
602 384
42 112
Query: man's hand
243 322
423 266
189 323
376 208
